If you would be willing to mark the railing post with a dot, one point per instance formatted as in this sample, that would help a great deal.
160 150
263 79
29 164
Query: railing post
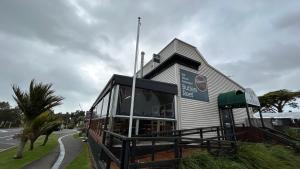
201 135
218 133
133 149
125 155
208 146
176 148
153 150
110 144
179 142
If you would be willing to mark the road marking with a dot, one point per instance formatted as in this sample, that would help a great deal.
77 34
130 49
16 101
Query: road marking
7 136
1 150
61 153
8 143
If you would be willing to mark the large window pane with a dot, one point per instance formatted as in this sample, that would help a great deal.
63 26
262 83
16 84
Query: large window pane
99 109
105 105
147 103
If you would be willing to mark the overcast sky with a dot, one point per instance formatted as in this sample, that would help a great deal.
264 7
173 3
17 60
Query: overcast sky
78 45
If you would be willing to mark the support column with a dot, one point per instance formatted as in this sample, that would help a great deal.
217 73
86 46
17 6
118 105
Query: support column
221 122
248 114
261 119
137 123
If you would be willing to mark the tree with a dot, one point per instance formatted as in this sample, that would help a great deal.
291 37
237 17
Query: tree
34 106
52 124
4 105
10 117
275 101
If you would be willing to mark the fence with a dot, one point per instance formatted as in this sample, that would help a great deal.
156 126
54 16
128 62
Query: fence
163 149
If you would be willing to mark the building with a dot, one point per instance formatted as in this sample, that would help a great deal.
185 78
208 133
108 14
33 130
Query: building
281 119
179 90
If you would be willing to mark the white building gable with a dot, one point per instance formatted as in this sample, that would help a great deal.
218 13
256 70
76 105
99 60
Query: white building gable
194 113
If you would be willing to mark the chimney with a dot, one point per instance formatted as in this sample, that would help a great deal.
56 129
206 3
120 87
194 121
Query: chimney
142 64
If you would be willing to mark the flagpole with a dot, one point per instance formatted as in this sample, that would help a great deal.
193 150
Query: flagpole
134 78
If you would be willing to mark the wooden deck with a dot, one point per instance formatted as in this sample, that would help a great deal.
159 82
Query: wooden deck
160 156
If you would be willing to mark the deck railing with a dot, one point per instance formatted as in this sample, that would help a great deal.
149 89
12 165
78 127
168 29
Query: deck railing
144 150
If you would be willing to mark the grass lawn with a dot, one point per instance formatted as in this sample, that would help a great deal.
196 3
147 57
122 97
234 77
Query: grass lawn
6 157
293 132
82 161
76 136
254 156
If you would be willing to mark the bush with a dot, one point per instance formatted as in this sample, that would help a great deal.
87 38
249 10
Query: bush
254 156
293 132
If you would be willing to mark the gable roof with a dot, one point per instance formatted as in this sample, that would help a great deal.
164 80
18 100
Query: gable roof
173 48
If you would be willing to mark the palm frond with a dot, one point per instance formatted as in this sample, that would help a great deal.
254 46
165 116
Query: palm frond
38 99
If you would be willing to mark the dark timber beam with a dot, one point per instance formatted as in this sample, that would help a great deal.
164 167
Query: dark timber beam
261 119
248 114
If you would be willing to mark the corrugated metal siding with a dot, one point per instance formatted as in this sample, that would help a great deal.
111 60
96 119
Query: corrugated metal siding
167 75
193 113
168 51
165 53
203 114
240 116
147 68
187 50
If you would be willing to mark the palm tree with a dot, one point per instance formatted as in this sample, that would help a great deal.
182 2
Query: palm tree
52 124
34 105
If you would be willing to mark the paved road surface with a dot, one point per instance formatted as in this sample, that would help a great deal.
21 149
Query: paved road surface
6 138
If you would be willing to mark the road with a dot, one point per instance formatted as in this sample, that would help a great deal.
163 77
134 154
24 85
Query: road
6 138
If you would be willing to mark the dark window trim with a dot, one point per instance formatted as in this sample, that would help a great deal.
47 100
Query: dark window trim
175 58
140 83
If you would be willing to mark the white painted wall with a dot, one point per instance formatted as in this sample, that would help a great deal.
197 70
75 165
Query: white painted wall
194 113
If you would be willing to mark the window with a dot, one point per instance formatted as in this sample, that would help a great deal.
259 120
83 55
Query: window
99 109
105 105
148 103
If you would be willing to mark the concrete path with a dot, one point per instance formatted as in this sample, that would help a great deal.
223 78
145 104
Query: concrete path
72 148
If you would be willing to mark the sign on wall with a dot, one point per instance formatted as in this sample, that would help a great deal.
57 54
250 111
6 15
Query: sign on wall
193 86
251 97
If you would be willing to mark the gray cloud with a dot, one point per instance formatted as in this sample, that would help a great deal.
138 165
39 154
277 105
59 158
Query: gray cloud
77 45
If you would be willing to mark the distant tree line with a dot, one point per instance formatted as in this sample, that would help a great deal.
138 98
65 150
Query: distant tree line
72 119
9 117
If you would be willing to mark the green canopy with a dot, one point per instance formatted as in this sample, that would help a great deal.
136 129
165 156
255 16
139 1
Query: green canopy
232 99
238 99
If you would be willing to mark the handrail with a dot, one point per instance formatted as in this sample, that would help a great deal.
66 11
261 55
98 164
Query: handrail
130 147
174 132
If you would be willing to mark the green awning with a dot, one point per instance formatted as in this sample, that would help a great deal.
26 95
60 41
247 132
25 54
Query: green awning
232 99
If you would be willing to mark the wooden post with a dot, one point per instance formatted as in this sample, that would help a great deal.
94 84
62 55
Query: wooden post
110 144
208 146
133 149
221 122
218 133
248 114
261 119
201 135
153 150
125 155
176 153
232 124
